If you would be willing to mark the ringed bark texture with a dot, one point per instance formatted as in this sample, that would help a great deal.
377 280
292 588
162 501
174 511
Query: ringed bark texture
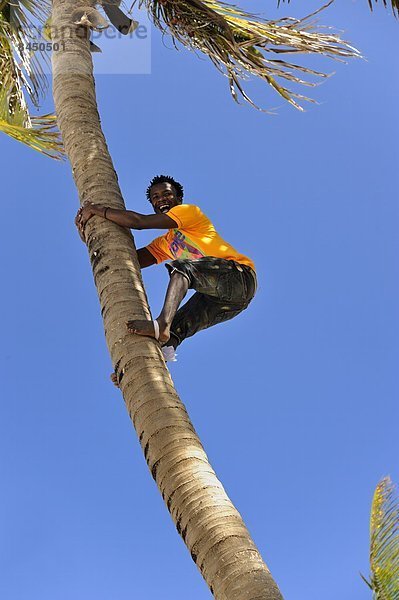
206 519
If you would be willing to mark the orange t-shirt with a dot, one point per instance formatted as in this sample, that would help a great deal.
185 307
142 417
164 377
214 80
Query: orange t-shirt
194 237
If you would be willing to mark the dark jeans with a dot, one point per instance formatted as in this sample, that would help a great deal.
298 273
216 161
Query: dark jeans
224 288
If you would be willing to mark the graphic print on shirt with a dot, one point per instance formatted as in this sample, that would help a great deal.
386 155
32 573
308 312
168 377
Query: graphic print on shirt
182 247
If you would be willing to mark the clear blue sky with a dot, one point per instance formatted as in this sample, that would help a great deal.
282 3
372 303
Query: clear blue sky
295 400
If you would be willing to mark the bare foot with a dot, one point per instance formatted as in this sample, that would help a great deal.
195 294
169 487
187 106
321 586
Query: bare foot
147 328
114 379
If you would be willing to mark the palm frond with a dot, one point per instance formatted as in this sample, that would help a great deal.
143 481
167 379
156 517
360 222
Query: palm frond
38 132
17 30
384 542
394 4
20 73
240 44
42 135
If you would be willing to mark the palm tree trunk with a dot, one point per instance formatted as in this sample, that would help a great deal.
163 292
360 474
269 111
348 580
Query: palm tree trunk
206 519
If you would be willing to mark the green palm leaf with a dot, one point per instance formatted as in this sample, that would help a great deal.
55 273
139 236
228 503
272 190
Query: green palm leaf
384 542
38 132
18 28
42 134
241 44
20 73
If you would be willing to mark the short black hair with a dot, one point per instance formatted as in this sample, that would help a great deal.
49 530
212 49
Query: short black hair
165 179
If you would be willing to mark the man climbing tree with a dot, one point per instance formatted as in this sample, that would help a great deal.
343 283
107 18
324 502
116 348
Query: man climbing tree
223 279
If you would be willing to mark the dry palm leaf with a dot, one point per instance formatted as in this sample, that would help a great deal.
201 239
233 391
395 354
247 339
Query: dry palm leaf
394 4
240 44
384 542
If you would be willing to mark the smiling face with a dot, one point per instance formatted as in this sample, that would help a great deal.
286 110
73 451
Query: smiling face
163 197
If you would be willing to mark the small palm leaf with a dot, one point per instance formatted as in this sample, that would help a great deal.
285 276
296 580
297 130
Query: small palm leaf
394 4
40 133
384 542
237 41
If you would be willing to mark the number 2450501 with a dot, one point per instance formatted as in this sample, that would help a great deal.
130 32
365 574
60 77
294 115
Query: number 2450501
43 46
